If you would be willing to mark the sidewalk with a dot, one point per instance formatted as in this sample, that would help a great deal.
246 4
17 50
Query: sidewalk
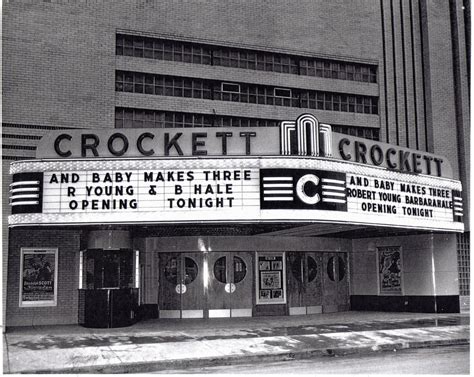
176 344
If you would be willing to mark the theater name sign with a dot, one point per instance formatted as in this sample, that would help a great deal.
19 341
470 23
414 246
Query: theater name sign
299 172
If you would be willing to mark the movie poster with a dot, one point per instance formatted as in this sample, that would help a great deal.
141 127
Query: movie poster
390 270
38 276
271 278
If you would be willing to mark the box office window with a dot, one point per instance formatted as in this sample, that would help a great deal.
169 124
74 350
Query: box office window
38 277
109 269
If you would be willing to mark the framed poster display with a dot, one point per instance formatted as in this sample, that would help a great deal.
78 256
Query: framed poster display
38 277
390 270
271 278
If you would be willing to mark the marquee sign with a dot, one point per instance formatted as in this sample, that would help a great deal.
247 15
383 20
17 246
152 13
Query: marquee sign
303 183
235 190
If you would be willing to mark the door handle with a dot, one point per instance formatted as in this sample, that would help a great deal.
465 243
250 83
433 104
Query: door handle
230 287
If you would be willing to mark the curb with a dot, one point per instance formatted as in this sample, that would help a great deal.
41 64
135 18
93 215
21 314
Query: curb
247 359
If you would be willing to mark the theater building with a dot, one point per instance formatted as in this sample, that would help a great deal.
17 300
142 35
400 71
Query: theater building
200 160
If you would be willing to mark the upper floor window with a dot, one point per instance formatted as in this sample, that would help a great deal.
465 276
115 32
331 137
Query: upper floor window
136 82
285 93
142 118
188 52
151 48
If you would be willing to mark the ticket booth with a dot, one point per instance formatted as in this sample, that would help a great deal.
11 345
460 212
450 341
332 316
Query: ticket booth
108 296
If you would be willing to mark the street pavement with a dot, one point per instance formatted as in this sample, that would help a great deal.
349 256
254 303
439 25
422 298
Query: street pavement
167 344
432 361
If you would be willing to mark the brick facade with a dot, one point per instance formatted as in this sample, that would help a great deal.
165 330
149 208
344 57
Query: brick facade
66 310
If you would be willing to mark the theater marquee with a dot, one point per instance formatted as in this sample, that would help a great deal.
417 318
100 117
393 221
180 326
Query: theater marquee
301 181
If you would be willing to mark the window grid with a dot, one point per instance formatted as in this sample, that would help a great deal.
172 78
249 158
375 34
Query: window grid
463 252
338 70
140 118
152 48
364 132
135 82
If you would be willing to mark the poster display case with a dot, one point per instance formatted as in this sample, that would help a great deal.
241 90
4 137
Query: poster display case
38 277
271 278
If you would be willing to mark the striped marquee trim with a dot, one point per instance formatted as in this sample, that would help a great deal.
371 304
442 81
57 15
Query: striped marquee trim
334 190
302 189
26 192
457 206
278 189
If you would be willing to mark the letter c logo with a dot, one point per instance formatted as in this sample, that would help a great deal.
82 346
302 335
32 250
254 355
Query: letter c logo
305 198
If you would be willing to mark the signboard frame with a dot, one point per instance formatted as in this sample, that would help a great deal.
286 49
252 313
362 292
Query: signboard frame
272 274
446 223
399 263
32 251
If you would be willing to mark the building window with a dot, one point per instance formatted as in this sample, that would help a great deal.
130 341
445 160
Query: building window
232 88
364 132
284 93
229 121
339 102
140 118
463 251
108 268
254 60
187 52
151 48
135 82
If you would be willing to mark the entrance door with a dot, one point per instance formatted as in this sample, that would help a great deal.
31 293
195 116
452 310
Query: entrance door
304 283
335 282
230 287
181 286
